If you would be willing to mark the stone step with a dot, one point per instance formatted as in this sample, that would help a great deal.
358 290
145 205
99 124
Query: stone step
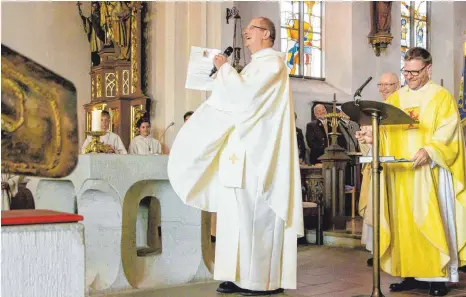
354 225
336 238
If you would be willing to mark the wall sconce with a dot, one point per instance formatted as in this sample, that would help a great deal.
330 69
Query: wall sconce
381 18
233 12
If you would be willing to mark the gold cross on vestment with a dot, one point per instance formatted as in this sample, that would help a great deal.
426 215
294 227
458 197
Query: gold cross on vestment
233 159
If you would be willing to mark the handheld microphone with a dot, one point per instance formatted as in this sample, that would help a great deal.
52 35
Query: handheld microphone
226 53
160 138
358 91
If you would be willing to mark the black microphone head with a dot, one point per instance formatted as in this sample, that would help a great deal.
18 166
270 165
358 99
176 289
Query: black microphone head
228 51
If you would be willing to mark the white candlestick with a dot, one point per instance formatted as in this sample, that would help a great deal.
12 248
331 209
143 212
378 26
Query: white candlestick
96 120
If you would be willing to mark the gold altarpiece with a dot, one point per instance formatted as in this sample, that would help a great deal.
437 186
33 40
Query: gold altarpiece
114 32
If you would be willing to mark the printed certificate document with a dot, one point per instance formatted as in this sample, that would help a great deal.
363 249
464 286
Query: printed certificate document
200 64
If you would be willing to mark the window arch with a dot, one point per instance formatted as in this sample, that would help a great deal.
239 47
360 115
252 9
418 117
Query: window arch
301 24
415 19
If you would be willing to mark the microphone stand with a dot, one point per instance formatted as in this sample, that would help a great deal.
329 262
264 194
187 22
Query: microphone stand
358 91
160 138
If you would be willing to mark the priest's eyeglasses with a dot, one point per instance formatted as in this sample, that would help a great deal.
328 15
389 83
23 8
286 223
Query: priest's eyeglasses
252 26
413 72
381 86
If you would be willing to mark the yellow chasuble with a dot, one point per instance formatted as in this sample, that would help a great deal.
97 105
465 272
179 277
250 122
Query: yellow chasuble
413 239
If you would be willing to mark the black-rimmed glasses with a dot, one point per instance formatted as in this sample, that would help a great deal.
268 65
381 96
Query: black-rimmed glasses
412 72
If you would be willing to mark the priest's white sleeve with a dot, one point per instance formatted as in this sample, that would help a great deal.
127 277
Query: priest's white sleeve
133 149
119 146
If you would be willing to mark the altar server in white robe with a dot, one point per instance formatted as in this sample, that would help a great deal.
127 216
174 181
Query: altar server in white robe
144 144
112 140
238 156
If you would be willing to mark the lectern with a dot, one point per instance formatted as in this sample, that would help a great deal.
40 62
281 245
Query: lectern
375 113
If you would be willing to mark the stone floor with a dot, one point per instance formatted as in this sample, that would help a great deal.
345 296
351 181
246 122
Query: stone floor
322 271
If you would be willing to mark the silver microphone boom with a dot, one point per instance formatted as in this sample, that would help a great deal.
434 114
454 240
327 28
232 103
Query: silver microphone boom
163 134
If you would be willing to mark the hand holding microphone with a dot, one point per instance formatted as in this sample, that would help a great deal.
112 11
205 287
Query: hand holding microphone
221 59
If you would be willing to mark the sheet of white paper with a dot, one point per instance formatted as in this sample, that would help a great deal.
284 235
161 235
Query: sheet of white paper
199 67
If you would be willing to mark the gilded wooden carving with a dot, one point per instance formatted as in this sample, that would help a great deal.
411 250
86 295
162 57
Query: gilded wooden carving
110 85
115 115
116 78
39 119
92 88
117 82
99 85
137 112
125 82
134 61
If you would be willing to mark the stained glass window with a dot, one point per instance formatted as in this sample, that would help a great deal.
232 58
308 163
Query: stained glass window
309 13
415 18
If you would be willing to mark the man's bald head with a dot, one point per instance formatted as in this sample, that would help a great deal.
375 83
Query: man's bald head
259 34
388 84
320 111
267 23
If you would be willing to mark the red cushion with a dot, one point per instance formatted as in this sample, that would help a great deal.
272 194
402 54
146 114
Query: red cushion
37 216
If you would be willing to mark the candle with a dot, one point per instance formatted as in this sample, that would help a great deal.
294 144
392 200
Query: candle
96 120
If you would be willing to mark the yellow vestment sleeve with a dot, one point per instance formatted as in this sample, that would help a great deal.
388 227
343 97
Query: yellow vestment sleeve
447 149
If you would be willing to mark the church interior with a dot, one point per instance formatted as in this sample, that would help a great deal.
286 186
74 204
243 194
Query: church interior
106 221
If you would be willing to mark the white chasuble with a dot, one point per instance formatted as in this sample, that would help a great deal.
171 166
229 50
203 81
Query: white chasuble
238 156
141 145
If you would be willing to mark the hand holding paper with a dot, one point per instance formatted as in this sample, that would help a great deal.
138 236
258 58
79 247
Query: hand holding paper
200 65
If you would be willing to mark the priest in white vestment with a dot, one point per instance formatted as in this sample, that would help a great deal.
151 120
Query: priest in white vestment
238 156
112 140
144 144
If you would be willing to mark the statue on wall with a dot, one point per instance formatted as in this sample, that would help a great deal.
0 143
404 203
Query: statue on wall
381 16
94 31
116 19
109 26
381 21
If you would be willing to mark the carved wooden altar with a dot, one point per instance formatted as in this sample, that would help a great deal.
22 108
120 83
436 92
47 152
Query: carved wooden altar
312 183
116 77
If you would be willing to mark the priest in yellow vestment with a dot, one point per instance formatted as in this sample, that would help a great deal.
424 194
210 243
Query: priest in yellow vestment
238 156
423 203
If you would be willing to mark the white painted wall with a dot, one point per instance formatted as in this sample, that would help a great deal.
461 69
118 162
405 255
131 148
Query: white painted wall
448 27
52 35
174 28
251 9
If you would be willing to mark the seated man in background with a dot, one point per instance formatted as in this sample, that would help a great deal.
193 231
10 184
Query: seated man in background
187 115
112 140
317 134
